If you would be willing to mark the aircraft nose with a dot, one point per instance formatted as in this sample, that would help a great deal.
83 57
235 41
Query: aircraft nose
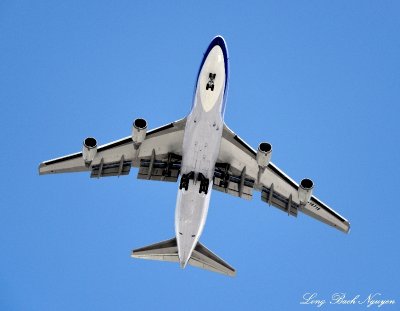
219 40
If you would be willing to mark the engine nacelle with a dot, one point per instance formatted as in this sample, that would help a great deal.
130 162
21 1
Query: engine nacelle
264 154
139 129
305 190
89 149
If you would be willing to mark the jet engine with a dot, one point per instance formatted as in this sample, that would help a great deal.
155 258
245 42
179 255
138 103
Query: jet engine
264 153
305 190
139 129
89 149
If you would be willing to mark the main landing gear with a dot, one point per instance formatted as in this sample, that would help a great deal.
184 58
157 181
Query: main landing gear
185 180
204 182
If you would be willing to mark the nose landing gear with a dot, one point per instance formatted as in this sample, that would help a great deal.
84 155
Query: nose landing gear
210 83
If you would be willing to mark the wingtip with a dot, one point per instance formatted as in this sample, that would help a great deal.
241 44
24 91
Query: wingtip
348 227
40 167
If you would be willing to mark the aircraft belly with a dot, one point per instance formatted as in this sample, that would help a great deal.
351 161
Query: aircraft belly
202 140
190 216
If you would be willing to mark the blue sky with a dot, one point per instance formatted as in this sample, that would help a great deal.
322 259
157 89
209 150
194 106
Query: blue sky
318 79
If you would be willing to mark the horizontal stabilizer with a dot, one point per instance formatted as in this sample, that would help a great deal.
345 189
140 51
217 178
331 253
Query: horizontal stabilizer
205 259
201 256
164 251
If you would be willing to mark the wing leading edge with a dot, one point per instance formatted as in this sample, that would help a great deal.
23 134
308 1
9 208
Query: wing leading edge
277 189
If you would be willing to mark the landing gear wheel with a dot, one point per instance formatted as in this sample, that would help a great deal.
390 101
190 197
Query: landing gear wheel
185 181
204 182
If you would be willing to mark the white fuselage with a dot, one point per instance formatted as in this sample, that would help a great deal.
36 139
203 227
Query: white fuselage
201 144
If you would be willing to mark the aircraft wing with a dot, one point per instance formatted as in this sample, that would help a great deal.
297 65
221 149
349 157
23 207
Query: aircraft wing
237 173
156 157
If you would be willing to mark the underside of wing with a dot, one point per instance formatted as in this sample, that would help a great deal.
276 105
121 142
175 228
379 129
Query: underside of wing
322 212
156 156
277 188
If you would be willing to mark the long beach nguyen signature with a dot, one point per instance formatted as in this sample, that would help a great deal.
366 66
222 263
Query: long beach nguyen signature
370 300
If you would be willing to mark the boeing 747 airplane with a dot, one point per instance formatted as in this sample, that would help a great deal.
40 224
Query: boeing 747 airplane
202 154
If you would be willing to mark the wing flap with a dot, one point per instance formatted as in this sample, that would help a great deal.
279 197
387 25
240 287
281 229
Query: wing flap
273 198
161 168
231 181
119 168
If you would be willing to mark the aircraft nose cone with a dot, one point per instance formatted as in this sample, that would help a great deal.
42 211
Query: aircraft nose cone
220 41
